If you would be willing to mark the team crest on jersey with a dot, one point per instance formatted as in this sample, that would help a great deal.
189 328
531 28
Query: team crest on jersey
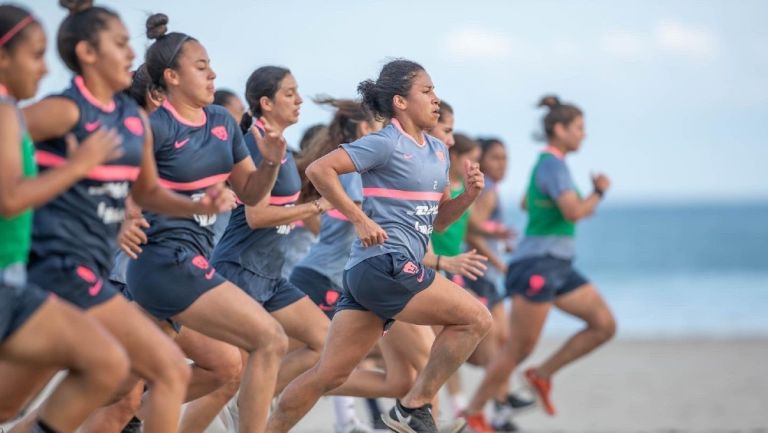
220 132
440 155
134 124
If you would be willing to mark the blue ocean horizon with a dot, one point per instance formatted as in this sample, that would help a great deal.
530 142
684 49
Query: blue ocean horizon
676 270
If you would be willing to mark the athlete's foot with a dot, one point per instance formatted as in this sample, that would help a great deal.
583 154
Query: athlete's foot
477 423
541 388
501 421
455 425
406 420
353 426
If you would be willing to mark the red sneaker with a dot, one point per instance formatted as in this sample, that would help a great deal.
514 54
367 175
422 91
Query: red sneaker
541 387
477 423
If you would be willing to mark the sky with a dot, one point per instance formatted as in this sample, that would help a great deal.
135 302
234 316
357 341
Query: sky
675 93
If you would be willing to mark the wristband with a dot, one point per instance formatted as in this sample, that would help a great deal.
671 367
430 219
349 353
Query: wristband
437 265
269 162
600 193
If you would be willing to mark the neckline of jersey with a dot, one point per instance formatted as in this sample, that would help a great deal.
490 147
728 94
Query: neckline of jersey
399 127
171 109
552 150
80 84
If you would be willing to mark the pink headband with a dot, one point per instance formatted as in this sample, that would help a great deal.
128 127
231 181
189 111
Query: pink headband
15 29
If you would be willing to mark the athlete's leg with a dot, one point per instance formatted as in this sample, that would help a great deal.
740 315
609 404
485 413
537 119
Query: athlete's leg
228 314
526 322
465 322
351 336
585 303
53 337
304 322
113 418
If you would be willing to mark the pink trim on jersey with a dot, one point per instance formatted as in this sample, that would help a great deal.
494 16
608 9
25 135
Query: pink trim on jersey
554 151
167 105
335 214
400 128
105 173
402 195
196 184
80 84
259 124
298 223
3 90
278 200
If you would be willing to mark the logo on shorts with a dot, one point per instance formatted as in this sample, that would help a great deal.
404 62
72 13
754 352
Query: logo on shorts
410 268
220 132
89 277
331 296
92 126
535 284
483 300
201 262
458 280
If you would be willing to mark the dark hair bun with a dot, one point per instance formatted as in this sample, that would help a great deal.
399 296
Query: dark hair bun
75 6
157 26
550 101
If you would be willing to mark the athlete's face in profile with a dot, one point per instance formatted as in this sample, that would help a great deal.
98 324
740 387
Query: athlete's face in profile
573 134
494 163
194 75
235 108
422 104
114 55
444 129
23 66
284 108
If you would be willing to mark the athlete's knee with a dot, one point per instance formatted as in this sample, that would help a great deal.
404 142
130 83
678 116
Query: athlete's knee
330 377
171 370
106 370
228 368
483 321
520 347
604 325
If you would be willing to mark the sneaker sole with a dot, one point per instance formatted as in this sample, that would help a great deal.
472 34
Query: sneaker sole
395 425
461 424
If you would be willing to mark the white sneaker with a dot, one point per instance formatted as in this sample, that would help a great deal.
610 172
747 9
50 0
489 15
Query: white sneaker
455 425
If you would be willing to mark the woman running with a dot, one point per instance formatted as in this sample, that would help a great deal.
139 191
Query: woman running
541 272
39 332
252 251
404 175
198 146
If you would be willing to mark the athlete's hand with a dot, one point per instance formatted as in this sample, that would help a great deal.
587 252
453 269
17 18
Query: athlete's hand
370 233
474 180
325 205
101 146
217 199
132 236
501 231
272 145
470 264
601 182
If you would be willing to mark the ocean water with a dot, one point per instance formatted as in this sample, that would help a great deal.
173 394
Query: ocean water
676 270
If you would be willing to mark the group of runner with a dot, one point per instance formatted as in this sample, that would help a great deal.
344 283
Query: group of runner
180 252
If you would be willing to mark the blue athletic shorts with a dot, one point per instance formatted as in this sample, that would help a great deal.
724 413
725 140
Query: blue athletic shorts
318 287
485 290
166 279
542 279
78 283
384 285
272 293
19 300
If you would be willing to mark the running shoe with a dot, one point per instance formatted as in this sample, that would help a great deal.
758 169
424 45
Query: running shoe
541 387
477 423
519 404
402 420
353 426
133 426
455 425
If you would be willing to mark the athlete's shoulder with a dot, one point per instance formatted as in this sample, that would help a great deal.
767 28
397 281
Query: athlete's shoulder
436 142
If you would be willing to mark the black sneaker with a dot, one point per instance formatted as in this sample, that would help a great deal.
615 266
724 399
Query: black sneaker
133 426
519 404
403 420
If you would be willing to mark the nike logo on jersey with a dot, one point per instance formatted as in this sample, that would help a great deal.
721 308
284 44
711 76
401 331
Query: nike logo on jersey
92 126
408 156
283 161
179 144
